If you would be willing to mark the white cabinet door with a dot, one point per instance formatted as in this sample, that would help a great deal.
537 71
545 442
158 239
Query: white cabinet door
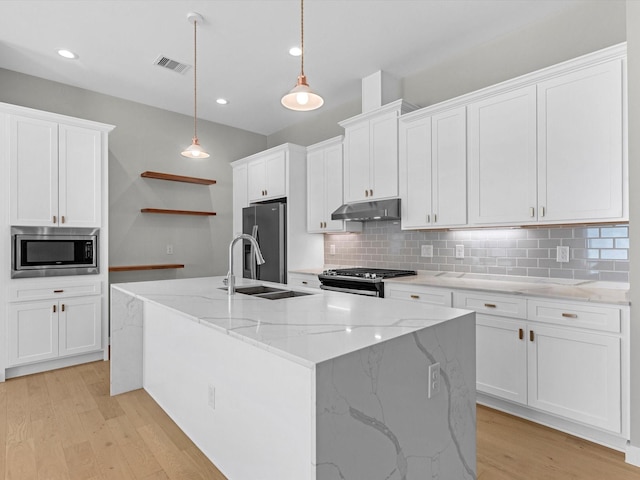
267 177
34 171
449 168
32 332
80 178
316 212
580 145
502 158
357 161
415 173
575 375
333 180
383 170
80 325
501 358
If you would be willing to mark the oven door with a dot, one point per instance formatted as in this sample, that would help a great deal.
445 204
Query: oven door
371 289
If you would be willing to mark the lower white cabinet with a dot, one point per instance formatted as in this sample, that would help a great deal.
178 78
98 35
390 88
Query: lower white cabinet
418 293
308 280
48 329
561 358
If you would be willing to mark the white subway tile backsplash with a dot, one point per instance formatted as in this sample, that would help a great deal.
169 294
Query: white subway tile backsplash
596 252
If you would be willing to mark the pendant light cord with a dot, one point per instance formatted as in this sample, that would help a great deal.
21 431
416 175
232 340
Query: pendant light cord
195 77
302 37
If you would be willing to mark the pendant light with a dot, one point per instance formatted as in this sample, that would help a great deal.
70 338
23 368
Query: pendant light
195 150
301 98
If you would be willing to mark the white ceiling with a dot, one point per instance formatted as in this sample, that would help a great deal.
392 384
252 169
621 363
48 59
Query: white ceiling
243 47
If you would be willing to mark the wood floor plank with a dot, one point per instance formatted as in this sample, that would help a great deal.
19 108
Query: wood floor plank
18 418
108 405
204 464
136 452
50 461
21 460
176 464
81 461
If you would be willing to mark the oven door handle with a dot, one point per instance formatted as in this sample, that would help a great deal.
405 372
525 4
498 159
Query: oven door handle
369 293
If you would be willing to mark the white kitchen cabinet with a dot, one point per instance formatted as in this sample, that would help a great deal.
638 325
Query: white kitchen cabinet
502 158
308 280
501 357
580 145
418 293
433 169
559 357
48 329
267 176
325 189
371 153
576 375
55 173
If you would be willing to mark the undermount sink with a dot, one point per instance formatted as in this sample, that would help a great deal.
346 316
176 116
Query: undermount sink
270 293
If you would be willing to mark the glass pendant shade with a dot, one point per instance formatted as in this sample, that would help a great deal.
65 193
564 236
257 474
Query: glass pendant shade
194 150
301 97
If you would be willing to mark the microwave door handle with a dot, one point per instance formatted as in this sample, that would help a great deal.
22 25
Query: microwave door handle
252 253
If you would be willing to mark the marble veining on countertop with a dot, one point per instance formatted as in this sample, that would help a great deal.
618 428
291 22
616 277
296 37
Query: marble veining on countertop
307 329
616 293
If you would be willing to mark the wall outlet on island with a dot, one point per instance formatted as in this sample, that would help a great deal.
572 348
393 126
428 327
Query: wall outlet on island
426 251
459 251
169 249
562 254
434 379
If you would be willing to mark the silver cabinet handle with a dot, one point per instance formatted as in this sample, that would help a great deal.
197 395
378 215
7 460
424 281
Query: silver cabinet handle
435 218
371 193
428 218
366 193
62 219
55 219
541 210
532 212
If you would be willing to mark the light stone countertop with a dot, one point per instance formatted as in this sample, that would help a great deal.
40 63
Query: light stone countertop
616 293
307 329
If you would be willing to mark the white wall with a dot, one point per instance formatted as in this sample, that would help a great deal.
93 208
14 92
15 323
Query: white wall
633 55
147 138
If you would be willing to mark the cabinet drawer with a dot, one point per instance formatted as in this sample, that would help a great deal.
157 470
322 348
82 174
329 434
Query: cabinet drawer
303 280
491 304
418 293
594 317
40 291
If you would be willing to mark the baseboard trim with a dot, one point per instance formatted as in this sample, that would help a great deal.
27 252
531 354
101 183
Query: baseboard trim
632 456
21 370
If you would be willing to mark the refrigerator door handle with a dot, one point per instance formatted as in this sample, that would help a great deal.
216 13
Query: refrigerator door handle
254 234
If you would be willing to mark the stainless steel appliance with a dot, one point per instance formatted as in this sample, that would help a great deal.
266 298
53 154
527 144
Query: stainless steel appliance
266 222
359 280
50 251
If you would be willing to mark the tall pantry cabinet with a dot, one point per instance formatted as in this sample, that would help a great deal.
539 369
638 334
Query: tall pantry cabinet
57 177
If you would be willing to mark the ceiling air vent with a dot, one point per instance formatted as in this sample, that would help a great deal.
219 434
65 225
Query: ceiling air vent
174 65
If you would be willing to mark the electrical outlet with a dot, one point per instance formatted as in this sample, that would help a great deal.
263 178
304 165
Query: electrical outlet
459 251
332 249
169 249
426 251
562 254
434 380
211 397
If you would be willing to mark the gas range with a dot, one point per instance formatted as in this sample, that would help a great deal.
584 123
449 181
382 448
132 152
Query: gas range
359 280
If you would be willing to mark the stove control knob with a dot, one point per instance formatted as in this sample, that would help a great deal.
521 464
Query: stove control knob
373 275
367 275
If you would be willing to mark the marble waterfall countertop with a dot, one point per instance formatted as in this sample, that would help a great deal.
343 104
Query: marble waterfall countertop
307 329
616 293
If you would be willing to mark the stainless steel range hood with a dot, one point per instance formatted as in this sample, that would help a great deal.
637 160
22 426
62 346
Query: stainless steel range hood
364 211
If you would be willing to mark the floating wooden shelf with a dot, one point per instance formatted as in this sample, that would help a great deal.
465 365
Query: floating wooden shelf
131 268
176 212
177 178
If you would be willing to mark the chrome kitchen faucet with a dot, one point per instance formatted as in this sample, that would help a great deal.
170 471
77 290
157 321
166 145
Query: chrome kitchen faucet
230 281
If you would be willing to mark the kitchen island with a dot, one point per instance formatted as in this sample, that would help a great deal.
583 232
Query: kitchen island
323 386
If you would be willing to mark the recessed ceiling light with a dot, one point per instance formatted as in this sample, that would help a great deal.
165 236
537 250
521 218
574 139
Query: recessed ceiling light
295 51
222 101
67 54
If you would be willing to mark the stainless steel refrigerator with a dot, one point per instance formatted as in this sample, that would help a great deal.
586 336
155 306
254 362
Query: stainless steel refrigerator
267 224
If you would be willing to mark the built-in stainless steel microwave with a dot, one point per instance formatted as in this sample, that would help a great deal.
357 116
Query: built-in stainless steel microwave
50 251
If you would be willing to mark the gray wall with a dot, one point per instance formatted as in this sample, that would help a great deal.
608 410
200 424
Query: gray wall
633 56
147 138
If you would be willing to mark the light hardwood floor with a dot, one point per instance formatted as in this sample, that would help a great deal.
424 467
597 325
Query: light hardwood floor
64 425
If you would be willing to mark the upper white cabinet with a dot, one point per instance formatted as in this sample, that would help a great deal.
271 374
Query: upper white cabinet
580 145
267 176
502 158
552 150
324 187
433 169
371 153
55 173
